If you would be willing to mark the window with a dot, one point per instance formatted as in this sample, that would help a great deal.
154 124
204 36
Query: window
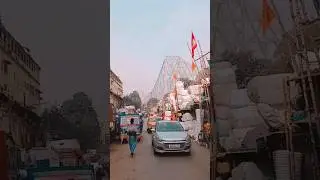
5 67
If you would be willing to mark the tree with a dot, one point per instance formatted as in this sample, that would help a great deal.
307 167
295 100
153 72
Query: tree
76 118
133 99
80 112
54 122
152 103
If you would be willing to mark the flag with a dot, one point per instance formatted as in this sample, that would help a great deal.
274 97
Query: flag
267 16
193 66
194 45
174 76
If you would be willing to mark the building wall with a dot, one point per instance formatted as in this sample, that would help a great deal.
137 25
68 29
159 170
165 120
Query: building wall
19 81
116 90
19 73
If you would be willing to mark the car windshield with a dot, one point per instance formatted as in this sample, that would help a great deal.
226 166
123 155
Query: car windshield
169 127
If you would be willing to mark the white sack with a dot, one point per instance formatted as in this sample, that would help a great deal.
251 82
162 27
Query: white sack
250 139
247 171
199 115
269 89
240 133
185 105
239 98
272 117
179 85
224 76
183 92
222 112
246 117
231 143
187 117
195 89
222 93
223 127
196 98
167 113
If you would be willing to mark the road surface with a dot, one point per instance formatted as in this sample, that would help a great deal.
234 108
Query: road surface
146 166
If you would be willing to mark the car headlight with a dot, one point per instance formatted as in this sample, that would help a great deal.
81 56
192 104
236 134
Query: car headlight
158 139
188 139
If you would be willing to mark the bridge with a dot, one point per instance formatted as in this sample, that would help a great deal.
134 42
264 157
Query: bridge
170 66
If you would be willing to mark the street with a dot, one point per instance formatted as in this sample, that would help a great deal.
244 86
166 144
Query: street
146 166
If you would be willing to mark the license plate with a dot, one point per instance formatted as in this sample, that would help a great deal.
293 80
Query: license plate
174 146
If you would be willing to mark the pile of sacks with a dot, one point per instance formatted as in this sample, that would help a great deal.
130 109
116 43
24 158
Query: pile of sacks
187 122
193 124
195 92
241 112
185 101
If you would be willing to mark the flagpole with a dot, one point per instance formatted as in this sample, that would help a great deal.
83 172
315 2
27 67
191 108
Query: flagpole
202 55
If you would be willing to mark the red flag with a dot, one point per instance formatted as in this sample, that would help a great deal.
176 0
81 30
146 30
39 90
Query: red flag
267 16
174 76
194 45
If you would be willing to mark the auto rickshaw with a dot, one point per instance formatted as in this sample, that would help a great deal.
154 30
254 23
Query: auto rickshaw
151 124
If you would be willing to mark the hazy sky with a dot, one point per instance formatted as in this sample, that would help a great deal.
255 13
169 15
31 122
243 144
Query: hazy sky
143 32
68 38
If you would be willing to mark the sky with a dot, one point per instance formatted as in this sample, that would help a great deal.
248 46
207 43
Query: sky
68 38
143 32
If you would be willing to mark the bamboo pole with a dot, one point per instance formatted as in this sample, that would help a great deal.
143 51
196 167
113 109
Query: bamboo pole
202 60
286 126
288 123
302 57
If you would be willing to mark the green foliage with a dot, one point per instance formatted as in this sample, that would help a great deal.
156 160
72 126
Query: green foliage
76 118
133 99
152 103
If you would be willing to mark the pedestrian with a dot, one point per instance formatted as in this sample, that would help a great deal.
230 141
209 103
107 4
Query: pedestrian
206 131
141 124
132 133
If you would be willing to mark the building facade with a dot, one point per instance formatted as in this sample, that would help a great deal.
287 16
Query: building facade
20 93
116 91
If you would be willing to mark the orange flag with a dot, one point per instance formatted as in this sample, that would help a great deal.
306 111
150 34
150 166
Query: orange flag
194 45
174 76
267 16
